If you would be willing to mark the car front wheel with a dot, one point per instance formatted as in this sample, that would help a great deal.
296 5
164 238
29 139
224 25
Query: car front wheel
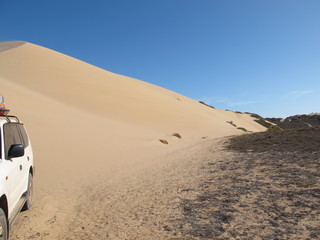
3 226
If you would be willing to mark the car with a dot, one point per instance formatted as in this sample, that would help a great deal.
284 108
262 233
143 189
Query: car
16 170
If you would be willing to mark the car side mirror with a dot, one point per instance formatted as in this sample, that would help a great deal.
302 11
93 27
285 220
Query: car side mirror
16 150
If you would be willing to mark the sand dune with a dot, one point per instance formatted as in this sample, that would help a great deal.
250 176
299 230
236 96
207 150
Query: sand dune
94 90
86 123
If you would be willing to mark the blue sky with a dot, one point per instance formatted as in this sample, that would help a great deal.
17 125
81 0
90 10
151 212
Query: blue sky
260 56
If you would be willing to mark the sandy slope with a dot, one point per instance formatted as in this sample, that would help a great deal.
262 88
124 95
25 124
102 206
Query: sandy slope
86 124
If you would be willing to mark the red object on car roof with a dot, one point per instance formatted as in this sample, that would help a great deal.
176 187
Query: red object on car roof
3 110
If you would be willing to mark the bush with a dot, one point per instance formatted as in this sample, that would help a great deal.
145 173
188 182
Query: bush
176 135
230 122
264 123
206 104
243 129
163 141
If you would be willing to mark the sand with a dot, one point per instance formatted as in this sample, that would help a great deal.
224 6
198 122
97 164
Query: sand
95 136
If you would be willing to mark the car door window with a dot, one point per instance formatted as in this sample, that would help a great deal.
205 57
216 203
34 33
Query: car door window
11 136
24 135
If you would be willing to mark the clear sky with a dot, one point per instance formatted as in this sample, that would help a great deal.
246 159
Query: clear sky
260 56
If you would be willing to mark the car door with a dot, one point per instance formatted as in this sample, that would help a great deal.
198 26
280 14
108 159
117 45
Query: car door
26 158
15 165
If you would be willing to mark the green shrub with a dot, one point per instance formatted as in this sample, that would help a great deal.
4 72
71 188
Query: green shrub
243 129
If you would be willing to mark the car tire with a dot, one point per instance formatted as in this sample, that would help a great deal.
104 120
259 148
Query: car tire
3 226
27 205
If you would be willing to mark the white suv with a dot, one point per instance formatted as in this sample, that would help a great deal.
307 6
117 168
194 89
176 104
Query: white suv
16 171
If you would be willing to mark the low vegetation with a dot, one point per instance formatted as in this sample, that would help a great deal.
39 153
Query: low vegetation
177 135
231 123
243 129
287 140
163 141
206 104
240 128
264 123
265 186
297 121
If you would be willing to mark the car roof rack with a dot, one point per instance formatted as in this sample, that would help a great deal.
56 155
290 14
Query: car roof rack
9 118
